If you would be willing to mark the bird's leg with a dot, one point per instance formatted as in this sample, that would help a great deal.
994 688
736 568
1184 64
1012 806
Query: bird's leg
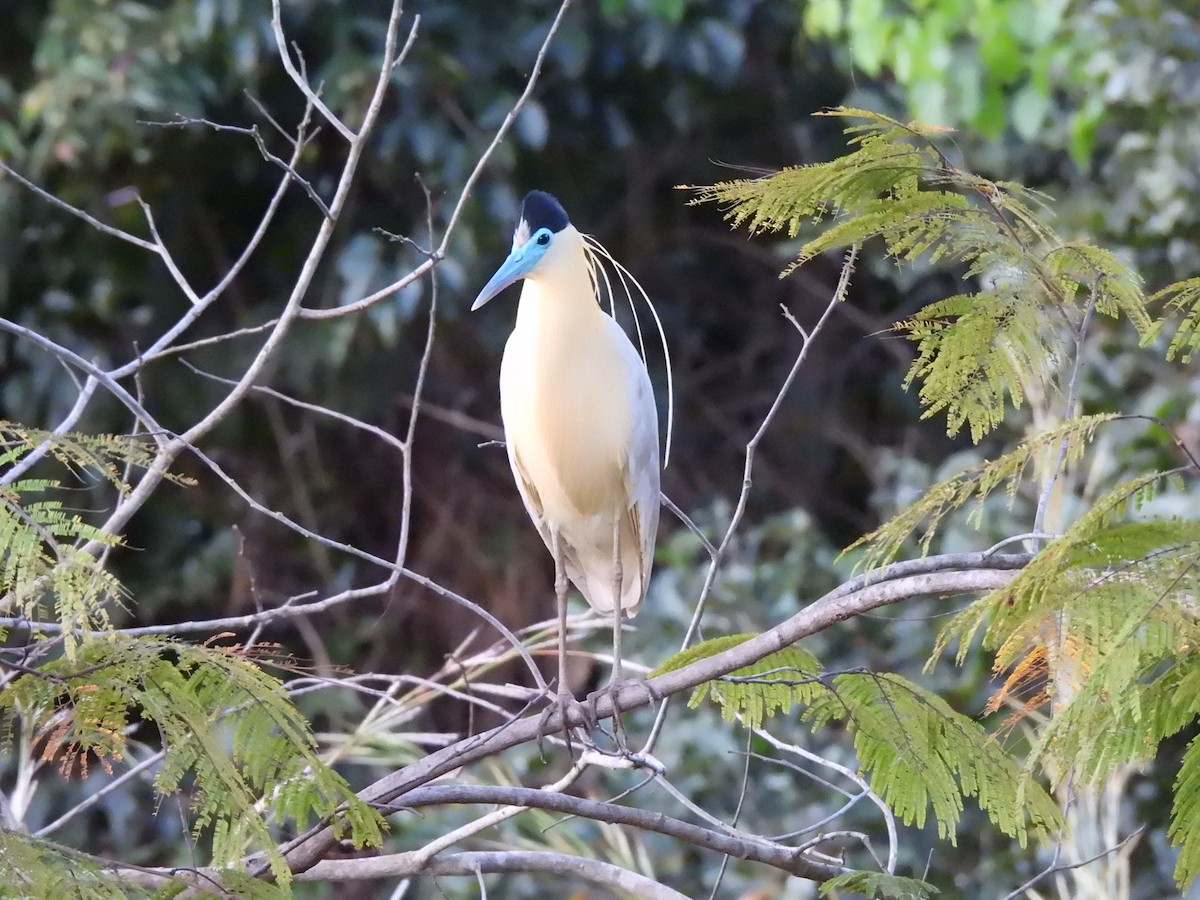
619 611
565 698
614 681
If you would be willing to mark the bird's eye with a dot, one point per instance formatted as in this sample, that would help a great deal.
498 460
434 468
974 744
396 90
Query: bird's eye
543 238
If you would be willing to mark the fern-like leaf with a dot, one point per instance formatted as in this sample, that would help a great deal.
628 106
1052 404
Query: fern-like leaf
880 885
1182 300
918 753
225 723
775 683
989 345
976 483
1185 814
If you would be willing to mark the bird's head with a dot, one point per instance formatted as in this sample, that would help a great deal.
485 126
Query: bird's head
542 221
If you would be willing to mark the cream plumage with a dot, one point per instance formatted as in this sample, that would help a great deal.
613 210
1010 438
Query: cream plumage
580 421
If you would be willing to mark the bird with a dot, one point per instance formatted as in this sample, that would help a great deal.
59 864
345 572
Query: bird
581 425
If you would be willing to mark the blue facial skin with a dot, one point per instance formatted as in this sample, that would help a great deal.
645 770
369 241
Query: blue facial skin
521 261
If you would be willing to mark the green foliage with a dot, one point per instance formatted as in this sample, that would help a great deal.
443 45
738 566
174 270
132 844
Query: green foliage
1183 301
776 683
38 868
41 868
228 728
982 348
38 556
40 552
917 751
880 884
36 562
97 454
985 63
1100 572
1186 813
225 723
974 484
1106 616
1102 622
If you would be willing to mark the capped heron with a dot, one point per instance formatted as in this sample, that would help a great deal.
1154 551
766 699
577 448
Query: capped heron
580 422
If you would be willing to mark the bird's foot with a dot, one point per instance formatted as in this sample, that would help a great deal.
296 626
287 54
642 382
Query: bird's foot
563 704
630 688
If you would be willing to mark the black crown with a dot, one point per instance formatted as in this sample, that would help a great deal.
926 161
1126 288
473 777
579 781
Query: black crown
542 210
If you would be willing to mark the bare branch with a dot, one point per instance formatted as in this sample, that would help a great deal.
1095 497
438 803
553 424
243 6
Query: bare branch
1054 866
760 850
305 850
152 427
386 436
95 797
165 255
509 119
495 817
31 459
169 451
864 791
473 863
714 565
301 82
76 211
440 253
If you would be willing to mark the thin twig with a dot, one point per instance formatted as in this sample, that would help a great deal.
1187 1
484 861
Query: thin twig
302 83
1054 868
29 460
1081 335
714 565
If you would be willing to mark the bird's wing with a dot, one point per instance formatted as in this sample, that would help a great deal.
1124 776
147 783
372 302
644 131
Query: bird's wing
533 506
642 462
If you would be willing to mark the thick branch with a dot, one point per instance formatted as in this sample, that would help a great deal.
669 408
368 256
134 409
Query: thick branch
401 864
986 574
561 864
780 857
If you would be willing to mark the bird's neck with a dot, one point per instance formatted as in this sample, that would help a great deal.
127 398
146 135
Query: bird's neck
560 303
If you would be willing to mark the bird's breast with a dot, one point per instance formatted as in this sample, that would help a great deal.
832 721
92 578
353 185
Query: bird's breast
566 408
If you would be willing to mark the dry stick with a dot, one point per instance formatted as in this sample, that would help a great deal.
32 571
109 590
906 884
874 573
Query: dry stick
457 419
305 850
29 460
106 379
385 436
396 569
1054 867
168 260
948 562
613 877
92 799
889 817
748 471
168 453
439 253
493 818
302 83
199 304
756 850
75 211
422 370
182 121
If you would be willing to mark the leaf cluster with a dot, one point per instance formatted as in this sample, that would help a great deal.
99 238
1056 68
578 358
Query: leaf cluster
918 753
230 734
1029 292
1103 623
227 727
41 556
1106 619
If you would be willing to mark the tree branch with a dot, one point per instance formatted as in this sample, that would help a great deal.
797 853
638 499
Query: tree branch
843 603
